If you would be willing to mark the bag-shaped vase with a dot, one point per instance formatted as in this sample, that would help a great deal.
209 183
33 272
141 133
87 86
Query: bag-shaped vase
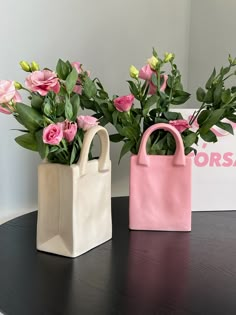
160 187
74 202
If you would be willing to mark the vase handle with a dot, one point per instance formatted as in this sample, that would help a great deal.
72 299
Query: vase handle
179 156
104 159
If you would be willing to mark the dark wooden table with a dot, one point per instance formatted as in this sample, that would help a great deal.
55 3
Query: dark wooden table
137 273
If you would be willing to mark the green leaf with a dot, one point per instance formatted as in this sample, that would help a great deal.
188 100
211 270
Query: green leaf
212 119
27 141
116 137
62 69
42 147
150 101
73 154
225 126
75 102
231 117
217 93
224 71
68 109
30 117
47 108
171 141
211 79
209 136
203 117
126 148
179 100
133 89
226 96
37 101
208 99
161 120
71 80
154 79
131 132
171 115
190 139
60 109
200 94
115 115
89 89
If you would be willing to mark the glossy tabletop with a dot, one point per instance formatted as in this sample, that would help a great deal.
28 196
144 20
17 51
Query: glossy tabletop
136 273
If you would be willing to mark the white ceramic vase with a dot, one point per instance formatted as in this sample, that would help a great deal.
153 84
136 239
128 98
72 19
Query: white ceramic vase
74 202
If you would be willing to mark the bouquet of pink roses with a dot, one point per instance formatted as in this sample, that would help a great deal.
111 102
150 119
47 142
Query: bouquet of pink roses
51 121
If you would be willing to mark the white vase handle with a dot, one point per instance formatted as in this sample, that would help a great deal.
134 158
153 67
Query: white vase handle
104 159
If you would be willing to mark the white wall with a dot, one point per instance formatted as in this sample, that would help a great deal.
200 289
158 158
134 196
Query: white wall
106 36
212 30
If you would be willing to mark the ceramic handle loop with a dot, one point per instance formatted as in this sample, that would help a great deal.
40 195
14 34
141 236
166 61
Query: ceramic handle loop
179 156
104 159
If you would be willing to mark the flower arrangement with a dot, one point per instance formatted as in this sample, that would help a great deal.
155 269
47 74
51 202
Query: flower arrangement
156 89
51 121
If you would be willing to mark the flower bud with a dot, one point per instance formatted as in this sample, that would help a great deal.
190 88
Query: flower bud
153 61
34 66
230 59
25 66
18 86
133 72
168 57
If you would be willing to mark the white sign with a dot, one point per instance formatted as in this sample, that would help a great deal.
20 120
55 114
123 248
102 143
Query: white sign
214 171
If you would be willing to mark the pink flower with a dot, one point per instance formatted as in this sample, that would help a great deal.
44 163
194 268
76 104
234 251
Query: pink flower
4 110
69 130
77 65
43 82
78 89
124 103
86 122
153 88
17 97
180 124
164 84
53 134
7 91
146 73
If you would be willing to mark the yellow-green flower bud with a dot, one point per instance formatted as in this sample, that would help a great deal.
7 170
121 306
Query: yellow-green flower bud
153 62
34 66
18 86
25 66
168 57
133 72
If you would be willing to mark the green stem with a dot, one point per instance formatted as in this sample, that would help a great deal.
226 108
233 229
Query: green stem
194 117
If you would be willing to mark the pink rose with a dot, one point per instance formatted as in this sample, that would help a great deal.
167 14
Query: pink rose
77 89
124 103
69 130
180 124
146 73
53 134
43 82
86 122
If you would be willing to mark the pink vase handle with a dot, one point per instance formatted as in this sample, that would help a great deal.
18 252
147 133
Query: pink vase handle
179 156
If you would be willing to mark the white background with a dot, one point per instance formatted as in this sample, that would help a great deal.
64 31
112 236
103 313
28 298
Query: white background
106 36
